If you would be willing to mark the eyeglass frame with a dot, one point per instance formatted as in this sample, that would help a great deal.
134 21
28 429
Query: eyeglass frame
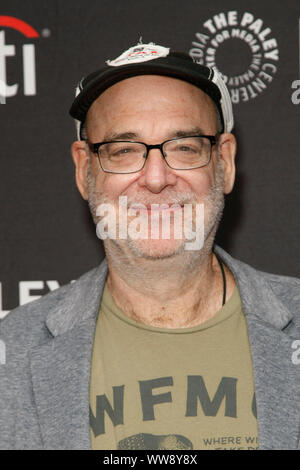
95 149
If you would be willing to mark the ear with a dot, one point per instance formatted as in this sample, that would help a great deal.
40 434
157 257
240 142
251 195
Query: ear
227 145
80 155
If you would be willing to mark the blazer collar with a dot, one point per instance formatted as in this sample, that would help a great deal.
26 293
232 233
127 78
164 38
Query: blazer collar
84 295
80 303
257 295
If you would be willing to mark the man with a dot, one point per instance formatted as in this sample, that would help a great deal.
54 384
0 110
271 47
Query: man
168 344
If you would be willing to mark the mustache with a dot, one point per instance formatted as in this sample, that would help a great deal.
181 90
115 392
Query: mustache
170 199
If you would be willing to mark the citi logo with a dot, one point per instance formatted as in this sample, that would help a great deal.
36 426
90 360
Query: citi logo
28 57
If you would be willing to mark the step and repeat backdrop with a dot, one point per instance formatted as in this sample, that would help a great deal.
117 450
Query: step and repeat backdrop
47 235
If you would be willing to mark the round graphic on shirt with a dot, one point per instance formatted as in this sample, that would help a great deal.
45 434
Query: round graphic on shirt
144 441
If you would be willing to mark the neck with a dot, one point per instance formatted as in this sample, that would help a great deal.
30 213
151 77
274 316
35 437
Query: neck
177 292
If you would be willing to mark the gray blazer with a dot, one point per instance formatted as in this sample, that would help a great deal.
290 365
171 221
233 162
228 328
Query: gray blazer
44 383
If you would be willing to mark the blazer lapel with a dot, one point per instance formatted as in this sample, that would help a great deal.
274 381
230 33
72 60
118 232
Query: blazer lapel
61 368
61 376
277 386
276 377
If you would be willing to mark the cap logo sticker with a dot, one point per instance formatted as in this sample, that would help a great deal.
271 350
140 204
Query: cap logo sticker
139 53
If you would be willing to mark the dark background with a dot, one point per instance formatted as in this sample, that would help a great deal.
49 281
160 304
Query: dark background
46 231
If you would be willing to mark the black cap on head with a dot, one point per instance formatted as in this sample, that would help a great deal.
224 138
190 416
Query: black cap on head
151 59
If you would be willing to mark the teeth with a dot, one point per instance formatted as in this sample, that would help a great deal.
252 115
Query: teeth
156 208
148 206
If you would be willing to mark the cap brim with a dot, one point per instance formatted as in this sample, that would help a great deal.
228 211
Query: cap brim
101 80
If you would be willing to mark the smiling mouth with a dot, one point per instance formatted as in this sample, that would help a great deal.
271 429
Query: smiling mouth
155 207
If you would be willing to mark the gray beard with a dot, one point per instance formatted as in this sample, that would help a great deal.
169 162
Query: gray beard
214 206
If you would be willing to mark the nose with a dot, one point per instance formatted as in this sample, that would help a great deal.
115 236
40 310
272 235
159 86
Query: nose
156 174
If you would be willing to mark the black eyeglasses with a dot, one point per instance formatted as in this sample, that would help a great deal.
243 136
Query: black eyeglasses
184 153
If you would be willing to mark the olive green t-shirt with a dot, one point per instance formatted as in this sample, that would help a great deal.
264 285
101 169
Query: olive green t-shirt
158 388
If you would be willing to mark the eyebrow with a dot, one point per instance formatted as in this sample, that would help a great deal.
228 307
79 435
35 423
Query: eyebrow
192 131
129 135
